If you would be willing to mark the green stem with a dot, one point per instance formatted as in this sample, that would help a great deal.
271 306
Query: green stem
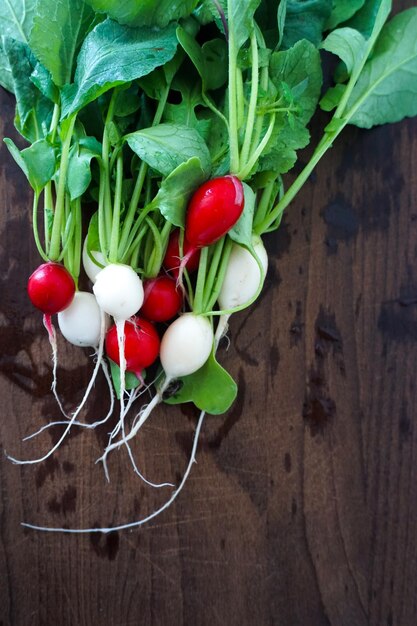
35 227
257 153
243 306
66 237
105 154
244 154
214 265
54 122
102 234
77 239
114 239
227 249
130 215
264 204
201 277
207 101
240 97
155 257
67 251
134 237
233 127
325 143
60 196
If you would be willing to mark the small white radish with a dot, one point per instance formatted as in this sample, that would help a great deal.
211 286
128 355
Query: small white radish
80 323
186 345
119 291
91 268
243 275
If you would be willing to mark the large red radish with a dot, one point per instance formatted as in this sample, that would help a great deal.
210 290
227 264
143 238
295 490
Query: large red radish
213 210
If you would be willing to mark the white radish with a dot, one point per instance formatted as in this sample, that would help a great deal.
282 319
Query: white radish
91 268
73 419
243 275
119 291
242 281
80 323
185 347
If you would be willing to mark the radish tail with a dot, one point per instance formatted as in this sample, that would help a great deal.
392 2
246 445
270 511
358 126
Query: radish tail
74 416
148 518
47 322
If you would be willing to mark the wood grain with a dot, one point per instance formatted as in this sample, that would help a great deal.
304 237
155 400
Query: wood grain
302 508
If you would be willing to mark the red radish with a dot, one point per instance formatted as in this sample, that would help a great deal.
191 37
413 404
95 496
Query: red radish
213 210
162 300
172 257
51 288
141 344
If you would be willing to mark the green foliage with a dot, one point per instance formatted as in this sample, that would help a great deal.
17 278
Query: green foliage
37 162
342 11
242 230
211 388
176 190
112 55
59 28
144 12
16 18
166 146
305 19
386 90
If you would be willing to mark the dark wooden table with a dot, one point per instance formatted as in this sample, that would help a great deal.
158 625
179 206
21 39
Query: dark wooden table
302 508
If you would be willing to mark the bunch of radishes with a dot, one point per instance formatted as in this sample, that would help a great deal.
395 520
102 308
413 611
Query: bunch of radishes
133 341
177 124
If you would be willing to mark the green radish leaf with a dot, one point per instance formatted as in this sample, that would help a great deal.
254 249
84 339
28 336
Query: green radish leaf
305 19
79 166
215 56
332 97
16 18
38 162
386 90
211 388
281 17
297 75
59 28
242 230
166 146
127 101
154 84
207 12
342 11
210 60
112 55
34 111
177 188
42 79
365 20
131 380
16 154
144 12
348 44
241 19
299 69
184 113
93 239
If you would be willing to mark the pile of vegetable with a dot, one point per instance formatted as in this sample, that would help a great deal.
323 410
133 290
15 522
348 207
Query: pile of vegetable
159 134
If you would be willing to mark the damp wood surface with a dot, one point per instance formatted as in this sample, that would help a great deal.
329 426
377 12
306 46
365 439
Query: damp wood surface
302 507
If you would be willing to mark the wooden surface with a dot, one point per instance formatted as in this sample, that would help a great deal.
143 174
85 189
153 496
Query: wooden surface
302 508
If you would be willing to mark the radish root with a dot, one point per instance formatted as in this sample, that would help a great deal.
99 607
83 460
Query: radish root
146 519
